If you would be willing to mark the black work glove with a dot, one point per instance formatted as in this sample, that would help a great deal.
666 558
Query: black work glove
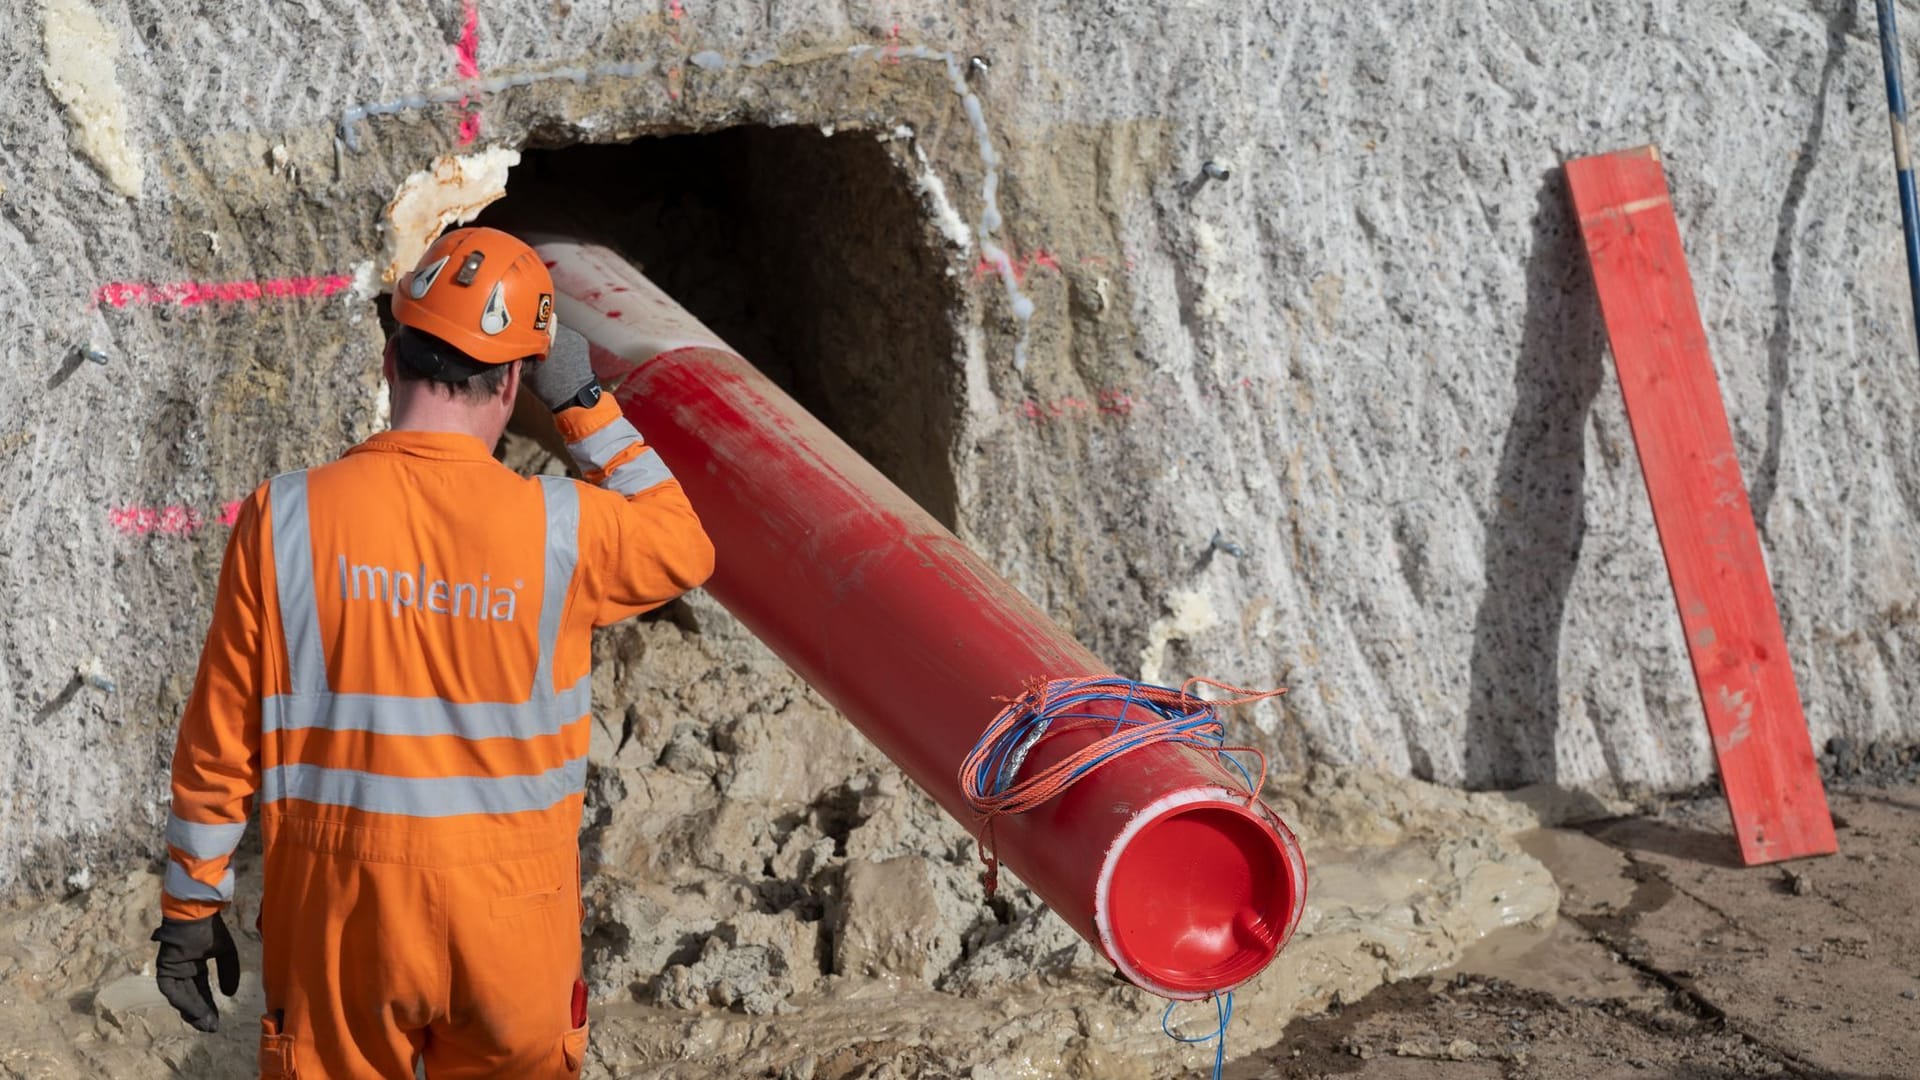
566 371
181 968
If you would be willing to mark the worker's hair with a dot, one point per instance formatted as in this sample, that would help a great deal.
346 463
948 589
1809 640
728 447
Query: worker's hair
477 387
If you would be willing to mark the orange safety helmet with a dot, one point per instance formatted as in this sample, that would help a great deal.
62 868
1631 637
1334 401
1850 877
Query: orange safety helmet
482 291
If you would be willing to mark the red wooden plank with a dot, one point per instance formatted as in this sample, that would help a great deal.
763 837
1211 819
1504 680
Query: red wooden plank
1693 478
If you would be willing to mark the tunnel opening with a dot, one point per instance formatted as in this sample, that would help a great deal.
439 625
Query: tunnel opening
807 251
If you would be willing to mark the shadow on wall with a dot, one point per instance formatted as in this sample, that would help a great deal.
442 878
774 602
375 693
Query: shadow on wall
1538 518
1843 24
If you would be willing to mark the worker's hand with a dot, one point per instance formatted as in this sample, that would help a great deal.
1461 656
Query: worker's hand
181 968
558 379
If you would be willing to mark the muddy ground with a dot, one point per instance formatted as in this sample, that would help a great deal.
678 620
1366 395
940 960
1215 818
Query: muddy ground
1669 960
1435 946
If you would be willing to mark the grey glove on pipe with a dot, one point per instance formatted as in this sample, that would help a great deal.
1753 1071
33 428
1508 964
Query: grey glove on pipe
181 968
558 380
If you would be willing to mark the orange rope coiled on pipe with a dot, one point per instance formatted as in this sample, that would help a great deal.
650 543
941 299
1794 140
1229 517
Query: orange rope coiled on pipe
989 775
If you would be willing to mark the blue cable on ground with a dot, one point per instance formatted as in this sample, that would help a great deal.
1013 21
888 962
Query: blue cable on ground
1223 1010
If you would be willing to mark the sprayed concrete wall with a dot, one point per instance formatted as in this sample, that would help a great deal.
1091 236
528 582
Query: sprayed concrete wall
1368 361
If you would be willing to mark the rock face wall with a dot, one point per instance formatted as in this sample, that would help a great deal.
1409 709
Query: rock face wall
1342 420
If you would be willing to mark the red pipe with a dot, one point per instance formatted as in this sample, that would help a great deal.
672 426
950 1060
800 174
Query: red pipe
1154 858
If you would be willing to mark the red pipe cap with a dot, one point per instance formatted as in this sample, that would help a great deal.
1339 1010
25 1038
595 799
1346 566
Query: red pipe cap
1198 894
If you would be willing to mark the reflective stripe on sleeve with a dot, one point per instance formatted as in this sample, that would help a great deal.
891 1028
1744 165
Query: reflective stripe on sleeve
293 575
181 886
202 841
595 451
638 475
423 797
380 714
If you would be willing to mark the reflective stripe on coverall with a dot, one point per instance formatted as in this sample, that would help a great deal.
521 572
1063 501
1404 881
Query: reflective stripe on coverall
398 672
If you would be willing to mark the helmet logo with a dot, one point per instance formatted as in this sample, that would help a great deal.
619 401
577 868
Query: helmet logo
494 317
424 277
544 313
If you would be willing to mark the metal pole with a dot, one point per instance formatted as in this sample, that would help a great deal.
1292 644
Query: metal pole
1185 887
1902 156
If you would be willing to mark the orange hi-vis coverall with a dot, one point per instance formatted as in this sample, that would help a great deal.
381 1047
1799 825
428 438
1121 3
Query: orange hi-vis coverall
398 674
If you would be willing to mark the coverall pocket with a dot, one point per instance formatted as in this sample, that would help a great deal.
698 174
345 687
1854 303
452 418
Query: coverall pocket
276 1051
573 1046
506 907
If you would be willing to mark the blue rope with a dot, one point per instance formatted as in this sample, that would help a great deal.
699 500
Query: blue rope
1223 1011
1143 718
1198 727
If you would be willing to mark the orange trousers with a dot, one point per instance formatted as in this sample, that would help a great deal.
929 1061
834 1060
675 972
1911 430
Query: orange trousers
377 957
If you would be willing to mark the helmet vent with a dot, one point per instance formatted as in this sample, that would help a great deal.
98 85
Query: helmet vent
424 278
494 317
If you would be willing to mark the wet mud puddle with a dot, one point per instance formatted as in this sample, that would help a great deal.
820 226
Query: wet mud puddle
1557 955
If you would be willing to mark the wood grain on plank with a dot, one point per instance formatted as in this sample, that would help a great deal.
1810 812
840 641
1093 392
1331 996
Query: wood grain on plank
1713 555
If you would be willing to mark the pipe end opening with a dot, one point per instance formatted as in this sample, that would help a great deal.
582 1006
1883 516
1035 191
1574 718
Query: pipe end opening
1202 898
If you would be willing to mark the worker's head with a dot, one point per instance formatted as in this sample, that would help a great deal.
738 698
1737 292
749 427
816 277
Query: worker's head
477 307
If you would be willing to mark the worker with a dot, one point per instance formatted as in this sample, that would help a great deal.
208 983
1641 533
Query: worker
398 675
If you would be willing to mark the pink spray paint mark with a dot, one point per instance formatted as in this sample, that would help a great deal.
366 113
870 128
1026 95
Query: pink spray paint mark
134 520
470 41
1023 267
175 520
677 13
987 268
1113 404
165 520
468 65
120 294
1043 259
